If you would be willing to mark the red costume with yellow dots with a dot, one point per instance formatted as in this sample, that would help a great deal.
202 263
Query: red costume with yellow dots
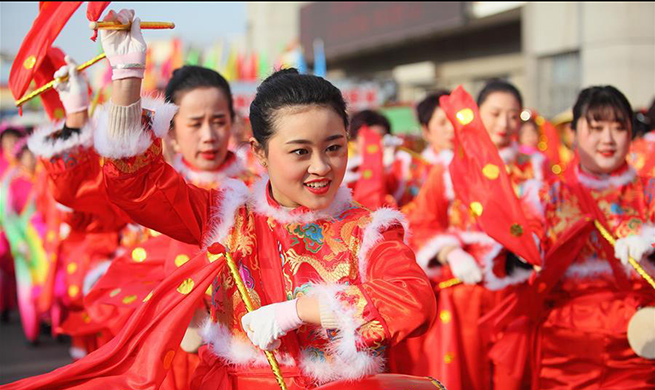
354 260
146 264
455 349
581 340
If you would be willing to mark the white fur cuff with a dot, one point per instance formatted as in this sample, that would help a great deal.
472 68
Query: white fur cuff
43 146
120 133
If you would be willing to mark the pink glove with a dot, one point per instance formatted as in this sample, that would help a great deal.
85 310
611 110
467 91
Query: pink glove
267 324
125 50
74 92
464 266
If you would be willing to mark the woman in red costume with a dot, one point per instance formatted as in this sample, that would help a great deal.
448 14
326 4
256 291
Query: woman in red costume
200 132
449 243
581 340
335 283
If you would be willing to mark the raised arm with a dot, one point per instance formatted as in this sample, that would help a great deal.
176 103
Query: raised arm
129 138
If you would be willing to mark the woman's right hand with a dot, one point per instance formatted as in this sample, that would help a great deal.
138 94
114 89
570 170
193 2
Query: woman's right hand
125 49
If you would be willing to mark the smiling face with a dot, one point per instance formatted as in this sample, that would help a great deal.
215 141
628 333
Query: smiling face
306 156
201 129
439 132
602 145
500 114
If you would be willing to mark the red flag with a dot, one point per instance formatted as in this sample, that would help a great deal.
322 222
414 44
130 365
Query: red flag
370 189
142 353
93 11
481 181
53 60
517 316
45 29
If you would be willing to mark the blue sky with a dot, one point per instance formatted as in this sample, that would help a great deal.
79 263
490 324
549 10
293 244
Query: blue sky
197 23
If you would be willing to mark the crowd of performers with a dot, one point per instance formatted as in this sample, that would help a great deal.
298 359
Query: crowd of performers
359 254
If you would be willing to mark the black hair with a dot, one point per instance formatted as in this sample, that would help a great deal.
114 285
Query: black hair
368 118
12 130
426 107
191 77
602 103
288 88
498 85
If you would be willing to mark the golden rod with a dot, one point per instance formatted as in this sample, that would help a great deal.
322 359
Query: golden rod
52 83
249 306
120 26
449 283
640 270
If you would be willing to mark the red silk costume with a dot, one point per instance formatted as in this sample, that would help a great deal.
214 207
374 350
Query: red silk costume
353 259
581 342
455 348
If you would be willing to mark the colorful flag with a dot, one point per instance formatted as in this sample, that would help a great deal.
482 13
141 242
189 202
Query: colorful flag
481 181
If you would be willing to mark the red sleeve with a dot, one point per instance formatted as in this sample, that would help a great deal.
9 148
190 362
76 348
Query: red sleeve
154 195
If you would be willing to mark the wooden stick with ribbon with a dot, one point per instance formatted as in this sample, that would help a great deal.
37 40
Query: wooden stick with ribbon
95 26
249 306
634 263
119 26
51 84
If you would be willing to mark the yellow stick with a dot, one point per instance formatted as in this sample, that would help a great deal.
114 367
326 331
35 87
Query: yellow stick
449 283
249 306
640 270
120 26
52 83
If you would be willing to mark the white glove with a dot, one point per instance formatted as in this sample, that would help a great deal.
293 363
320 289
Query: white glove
464 266
74 92
125 50
633 246
267 324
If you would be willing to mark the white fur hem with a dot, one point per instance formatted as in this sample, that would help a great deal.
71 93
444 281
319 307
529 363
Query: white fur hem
593 267
381 220
606 181
40 144
346 361
259 201
430 250
493 282
238 351
234 194
136 140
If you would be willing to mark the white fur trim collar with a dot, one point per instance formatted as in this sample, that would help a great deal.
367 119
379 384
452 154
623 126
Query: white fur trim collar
43 146
381 220
232 169
234 194
259 201
602 182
